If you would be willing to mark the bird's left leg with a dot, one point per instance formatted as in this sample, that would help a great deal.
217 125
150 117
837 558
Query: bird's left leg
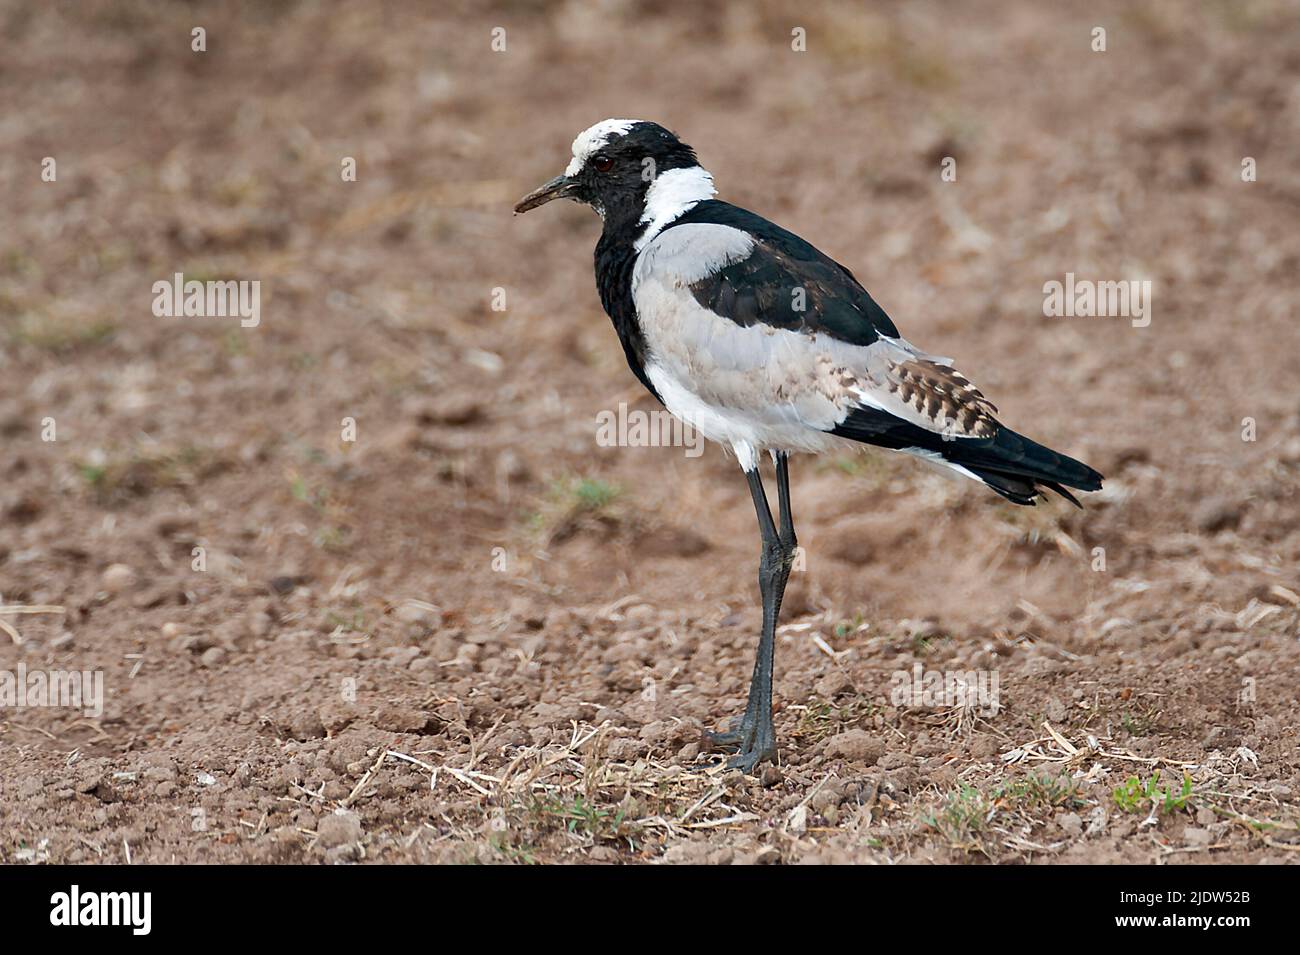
755 737
786 531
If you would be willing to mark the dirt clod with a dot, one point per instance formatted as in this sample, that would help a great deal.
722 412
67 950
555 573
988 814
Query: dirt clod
856 745
338 828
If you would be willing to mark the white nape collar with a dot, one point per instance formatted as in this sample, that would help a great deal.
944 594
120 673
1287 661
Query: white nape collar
670 195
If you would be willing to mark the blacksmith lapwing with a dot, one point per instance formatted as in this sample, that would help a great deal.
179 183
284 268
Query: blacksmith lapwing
763 343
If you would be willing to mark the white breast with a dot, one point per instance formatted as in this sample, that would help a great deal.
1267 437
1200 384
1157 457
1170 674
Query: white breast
752 388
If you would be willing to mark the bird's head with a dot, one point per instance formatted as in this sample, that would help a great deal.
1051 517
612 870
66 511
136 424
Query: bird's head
624 169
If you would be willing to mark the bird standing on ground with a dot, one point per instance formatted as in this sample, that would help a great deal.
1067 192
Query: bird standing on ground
763 343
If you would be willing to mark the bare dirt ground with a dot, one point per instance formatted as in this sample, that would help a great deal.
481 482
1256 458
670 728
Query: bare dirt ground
474 634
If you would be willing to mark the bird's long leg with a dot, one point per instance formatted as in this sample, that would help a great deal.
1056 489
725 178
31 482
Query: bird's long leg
783 500
755 736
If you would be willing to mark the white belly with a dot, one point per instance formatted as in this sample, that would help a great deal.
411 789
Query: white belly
746 431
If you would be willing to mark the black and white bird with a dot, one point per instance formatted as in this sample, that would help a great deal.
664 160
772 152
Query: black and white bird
764 343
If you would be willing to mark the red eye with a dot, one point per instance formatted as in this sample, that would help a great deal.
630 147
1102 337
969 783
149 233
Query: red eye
602 163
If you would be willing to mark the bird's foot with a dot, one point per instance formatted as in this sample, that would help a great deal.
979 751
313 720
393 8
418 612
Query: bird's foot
747 760
730 740
752 740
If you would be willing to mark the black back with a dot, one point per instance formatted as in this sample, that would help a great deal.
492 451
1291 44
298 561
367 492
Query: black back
786 283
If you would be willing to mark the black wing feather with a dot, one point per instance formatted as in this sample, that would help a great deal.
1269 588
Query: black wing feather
1009 463
786 283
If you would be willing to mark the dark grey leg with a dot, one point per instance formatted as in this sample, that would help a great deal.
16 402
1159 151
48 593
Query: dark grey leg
783 499
754 737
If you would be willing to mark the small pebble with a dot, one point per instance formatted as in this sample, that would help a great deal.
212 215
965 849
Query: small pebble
118 578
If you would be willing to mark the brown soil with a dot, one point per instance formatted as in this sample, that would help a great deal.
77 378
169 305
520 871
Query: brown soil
472 633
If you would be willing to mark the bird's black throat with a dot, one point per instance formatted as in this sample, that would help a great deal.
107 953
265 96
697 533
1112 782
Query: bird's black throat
615 258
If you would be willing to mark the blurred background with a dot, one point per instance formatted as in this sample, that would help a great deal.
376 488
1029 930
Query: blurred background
474 534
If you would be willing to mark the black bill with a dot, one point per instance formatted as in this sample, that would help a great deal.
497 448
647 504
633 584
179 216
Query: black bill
561 187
